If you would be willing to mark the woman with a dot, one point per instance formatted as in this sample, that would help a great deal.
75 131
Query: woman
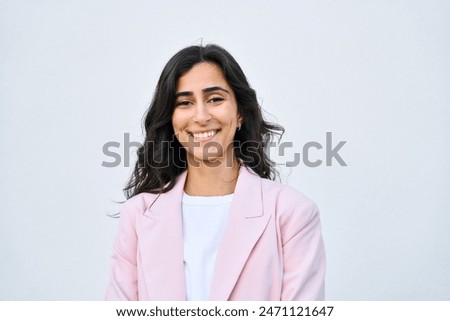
204 220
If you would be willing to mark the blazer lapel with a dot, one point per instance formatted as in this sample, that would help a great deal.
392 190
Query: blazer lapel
161 240
161 246
244 227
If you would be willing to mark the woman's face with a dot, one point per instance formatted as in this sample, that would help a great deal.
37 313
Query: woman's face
206 115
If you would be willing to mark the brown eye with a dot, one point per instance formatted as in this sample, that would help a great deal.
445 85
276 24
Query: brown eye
182 103
216 99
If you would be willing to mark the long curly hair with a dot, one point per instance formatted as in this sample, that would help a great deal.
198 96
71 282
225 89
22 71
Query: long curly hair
161 158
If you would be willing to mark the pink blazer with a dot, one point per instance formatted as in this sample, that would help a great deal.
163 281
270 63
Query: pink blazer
272 247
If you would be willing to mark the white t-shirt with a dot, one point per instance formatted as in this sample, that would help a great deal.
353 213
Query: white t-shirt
204 220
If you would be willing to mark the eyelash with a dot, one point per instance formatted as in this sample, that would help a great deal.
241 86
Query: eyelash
182 103
216 99
187 102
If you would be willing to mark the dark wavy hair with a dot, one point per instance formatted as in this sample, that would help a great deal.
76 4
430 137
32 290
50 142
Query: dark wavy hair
161 159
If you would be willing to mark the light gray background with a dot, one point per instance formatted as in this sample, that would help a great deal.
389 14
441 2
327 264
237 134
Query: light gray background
77 74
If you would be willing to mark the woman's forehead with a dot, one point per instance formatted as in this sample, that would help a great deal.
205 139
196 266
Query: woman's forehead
200 76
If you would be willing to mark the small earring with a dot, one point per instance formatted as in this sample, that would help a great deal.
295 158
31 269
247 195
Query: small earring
239 127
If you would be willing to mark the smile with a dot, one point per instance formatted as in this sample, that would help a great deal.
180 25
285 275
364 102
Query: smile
204 135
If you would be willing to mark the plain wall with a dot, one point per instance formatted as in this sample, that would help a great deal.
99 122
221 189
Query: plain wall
75 75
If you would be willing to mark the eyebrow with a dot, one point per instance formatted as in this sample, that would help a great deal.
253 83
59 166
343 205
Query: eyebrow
205 90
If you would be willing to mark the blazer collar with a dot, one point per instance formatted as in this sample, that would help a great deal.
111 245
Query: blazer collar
245 225
248 187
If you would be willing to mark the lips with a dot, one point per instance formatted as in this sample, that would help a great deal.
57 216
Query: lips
204 134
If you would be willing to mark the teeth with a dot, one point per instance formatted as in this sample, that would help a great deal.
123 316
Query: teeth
204 134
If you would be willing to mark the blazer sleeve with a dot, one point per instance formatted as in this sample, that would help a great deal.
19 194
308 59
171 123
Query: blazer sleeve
304 256
123 276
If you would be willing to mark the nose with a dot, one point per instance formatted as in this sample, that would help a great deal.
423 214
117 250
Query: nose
201 114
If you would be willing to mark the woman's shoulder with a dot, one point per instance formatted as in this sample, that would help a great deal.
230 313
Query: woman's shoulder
284 192
292 209
288 200
138 204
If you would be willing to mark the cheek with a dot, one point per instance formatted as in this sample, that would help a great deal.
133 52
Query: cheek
228 116
177 120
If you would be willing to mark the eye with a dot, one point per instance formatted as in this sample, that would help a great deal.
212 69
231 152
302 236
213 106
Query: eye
215 99
182 103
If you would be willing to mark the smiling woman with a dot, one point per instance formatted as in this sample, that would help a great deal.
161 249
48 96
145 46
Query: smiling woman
212 225
205 122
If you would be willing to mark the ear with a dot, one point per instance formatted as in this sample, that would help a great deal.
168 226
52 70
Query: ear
240 119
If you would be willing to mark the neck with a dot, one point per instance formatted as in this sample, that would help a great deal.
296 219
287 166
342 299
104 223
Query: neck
206 179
